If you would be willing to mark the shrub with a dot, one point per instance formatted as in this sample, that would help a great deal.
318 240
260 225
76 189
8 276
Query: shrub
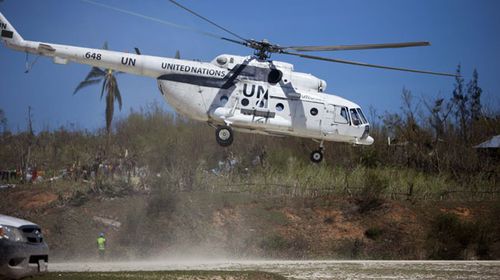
449 237
274 242
373 233
357 248
79 198
163 198
371 195
329 220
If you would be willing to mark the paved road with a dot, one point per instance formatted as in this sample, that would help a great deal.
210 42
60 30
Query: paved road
313 269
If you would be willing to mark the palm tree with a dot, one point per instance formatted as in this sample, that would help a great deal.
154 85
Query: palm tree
109 85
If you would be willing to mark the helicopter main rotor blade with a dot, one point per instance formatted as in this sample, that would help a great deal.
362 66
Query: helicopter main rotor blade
358 47
235 41
207 20
367 64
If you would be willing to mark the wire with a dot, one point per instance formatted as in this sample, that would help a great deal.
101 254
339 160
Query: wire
171 24
209 21
29 65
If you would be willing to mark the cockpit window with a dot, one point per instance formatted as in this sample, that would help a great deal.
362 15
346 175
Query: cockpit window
355 117
362 115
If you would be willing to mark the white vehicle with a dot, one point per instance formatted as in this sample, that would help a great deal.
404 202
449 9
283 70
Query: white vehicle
23 251
249 94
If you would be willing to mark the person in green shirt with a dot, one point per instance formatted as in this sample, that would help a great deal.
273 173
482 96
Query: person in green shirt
101 245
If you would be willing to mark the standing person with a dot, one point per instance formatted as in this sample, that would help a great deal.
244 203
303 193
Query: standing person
101 245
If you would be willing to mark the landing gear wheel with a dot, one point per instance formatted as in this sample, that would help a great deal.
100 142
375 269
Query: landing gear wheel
224 135
317 156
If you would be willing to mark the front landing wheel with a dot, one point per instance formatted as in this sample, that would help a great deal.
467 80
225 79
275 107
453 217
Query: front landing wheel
317 156
224 135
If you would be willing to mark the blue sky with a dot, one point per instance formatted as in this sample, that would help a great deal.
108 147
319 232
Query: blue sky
461 31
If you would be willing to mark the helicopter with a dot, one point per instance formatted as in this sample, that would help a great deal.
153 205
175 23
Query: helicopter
248 94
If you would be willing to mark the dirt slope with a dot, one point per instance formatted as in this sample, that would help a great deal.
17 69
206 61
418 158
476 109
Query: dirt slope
232 224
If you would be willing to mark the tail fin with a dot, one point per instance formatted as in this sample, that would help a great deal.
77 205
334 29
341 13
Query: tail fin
8 34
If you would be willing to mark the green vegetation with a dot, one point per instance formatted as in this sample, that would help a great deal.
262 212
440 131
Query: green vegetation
430 156
453 238
374 233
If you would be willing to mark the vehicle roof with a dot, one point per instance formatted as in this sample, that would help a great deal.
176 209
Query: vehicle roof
14 222
492 143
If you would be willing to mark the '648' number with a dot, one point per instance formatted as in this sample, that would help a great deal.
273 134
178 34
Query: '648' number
91 55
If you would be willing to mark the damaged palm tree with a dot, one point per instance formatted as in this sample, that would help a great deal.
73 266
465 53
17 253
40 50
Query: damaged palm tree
109 85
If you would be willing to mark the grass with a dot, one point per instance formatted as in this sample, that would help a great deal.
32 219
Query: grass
302 179
165 275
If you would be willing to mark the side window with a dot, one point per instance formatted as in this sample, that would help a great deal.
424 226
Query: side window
341 115
314 111
355 117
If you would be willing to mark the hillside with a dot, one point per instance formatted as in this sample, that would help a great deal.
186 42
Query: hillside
140 224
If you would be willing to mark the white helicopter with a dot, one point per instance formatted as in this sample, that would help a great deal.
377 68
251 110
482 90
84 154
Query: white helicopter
250 94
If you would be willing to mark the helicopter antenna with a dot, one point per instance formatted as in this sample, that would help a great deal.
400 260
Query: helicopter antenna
29 65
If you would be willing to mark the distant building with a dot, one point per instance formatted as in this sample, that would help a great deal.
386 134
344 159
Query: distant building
493 143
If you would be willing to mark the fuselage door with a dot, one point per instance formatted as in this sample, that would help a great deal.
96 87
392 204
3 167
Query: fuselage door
328 123
342 122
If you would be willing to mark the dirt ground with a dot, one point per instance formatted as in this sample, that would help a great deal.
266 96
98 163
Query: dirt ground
232 225
165 275
297 270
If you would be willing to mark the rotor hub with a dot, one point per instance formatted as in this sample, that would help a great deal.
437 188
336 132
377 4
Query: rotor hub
263 49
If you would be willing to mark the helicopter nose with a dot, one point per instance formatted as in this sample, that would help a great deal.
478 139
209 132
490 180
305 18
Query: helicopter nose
367 141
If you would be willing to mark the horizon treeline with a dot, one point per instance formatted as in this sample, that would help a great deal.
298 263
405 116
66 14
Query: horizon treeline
433 136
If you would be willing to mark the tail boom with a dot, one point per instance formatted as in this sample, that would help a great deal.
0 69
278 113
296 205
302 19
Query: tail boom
143 65
120 61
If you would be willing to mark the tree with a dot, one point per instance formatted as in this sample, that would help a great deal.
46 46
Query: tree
460 101
439 111
109 85
408 109
3 121
474 92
